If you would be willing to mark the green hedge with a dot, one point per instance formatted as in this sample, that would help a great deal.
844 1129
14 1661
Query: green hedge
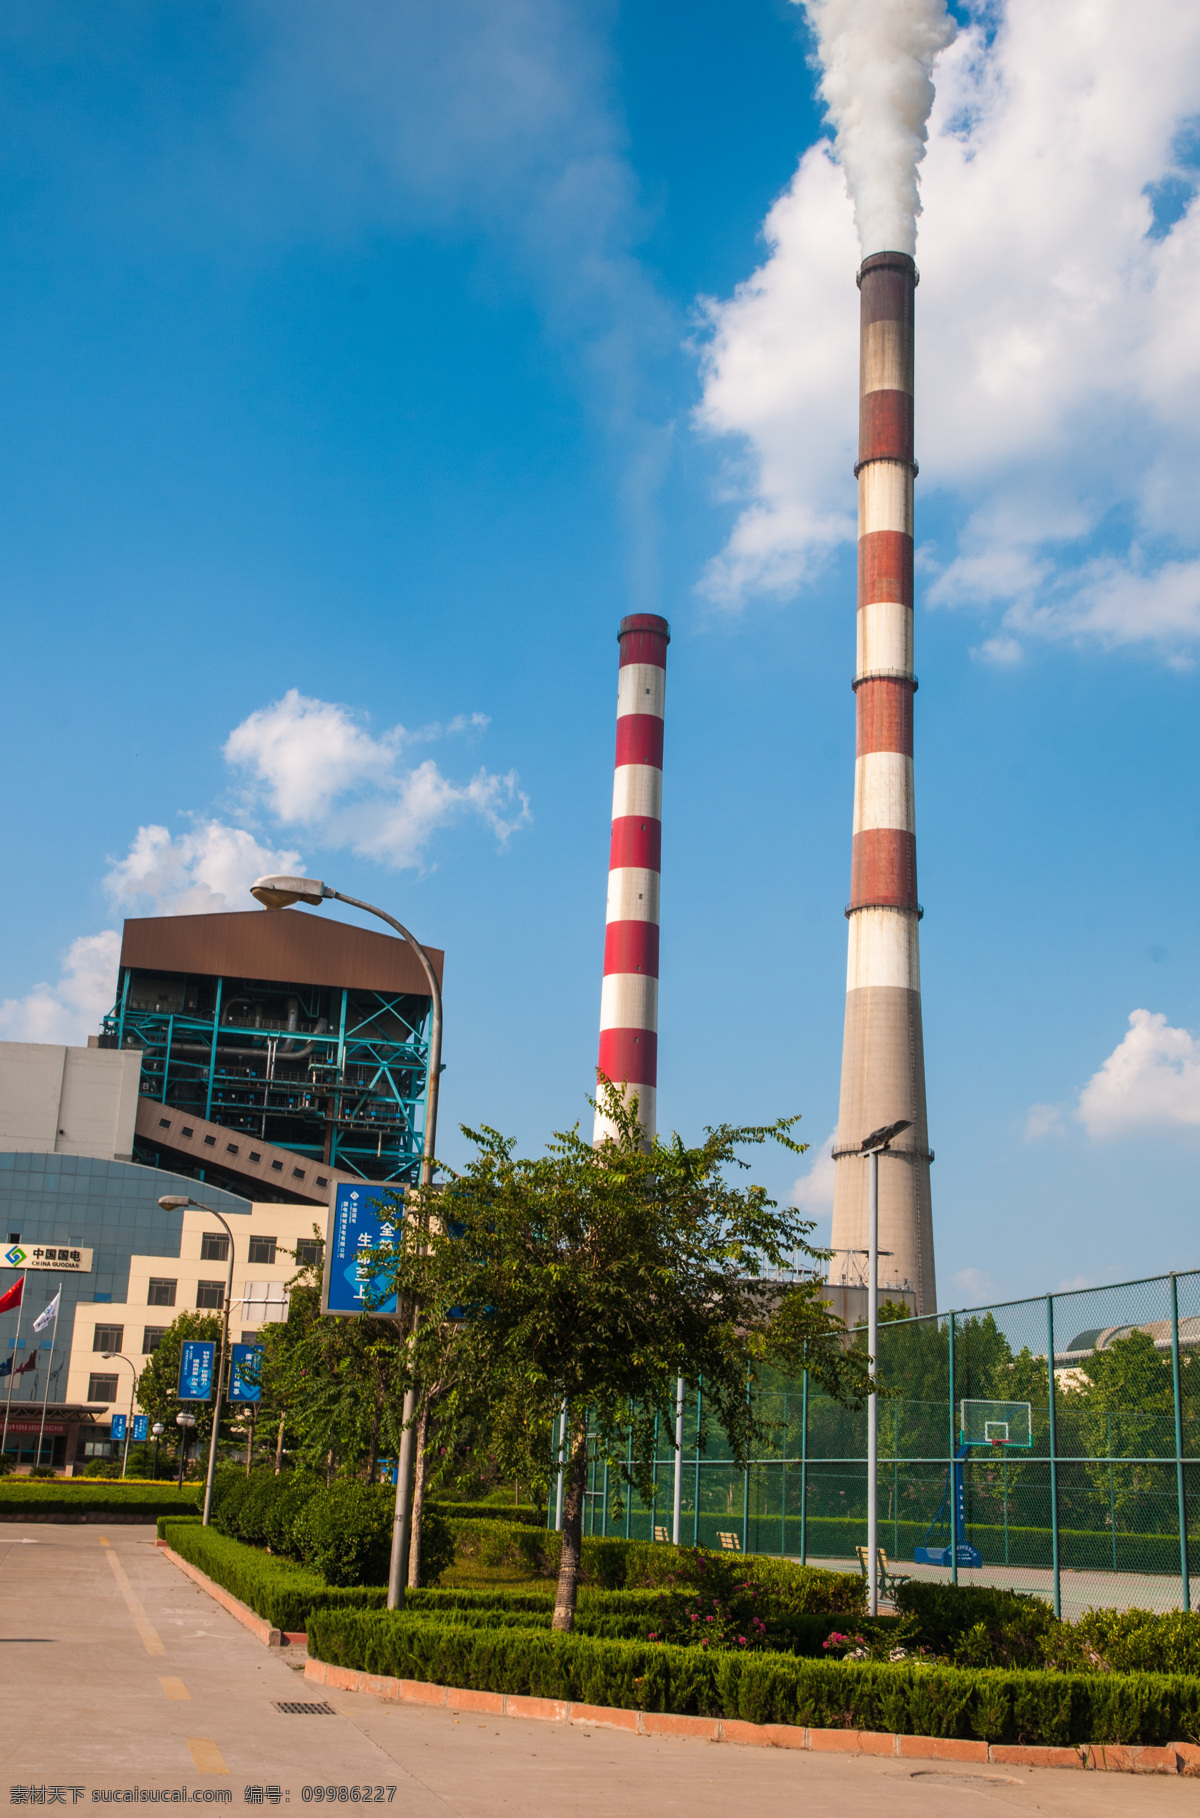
523 1516
95 1496
285 1592
629 1564
1030 1707
835 1537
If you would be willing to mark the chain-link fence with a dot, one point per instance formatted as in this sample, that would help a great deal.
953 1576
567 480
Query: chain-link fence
1052 1445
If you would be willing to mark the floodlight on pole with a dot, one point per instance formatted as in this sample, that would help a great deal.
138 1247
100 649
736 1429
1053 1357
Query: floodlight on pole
281 893
874 1146
180 1202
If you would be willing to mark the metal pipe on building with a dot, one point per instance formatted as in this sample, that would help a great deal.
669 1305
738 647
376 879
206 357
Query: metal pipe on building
629 997
883 1062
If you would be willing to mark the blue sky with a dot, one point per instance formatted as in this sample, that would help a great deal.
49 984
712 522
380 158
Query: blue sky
360 366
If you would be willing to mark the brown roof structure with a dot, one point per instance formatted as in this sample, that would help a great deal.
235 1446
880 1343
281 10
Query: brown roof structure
277 945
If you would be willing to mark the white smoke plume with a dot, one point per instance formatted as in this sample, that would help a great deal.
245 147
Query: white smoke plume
878 58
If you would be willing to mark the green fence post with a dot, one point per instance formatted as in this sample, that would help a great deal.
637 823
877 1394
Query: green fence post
1053 1460
628 1485
783 1452
1186 1583
952 1478
804 1471
746 1493
1112 1491
895 1480
605 1527
699 1409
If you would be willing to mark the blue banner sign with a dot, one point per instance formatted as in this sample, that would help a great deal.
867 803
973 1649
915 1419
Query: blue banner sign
358 1225
118 1427
196 1370
141 1426
245 1384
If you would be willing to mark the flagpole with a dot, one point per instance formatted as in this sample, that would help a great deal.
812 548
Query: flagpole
12 1372
37 1457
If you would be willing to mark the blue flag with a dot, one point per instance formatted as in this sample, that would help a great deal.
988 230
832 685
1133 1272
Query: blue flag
6 1367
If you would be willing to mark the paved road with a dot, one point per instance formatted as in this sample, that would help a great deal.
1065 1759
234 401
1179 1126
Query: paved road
119 1673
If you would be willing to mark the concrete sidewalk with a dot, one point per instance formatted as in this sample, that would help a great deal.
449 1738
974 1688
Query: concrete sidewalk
121 1674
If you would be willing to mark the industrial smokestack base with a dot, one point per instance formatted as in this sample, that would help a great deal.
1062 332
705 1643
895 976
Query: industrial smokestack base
629 998
883 1058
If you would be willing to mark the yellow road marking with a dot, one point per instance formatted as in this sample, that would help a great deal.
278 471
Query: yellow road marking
175 1688
145 1628
206 1755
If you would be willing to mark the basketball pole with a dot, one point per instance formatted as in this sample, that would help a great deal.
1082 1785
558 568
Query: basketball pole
872 1398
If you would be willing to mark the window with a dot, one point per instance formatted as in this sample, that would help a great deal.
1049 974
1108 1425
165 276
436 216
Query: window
211 1141
255 1155
214 1247
231 1148
187 1131
322 1180
162 1293
262 1249
152 1337
278 1167
297 1173
251 1336
210 1294
108 1338
102 1388
308 1252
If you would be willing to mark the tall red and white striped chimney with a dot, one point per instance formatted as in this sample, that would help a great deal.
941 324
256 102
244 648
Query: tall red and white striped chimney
883 1058
629 998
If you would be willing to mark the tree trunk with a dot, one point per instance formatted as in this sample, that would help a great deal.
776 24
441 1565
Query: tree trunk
421 1441
572 1530
279 1447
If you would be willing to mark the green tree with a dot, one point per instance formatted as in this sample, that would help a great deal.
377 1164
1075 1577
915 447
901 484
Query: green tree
338 1384
158 1384
592 1277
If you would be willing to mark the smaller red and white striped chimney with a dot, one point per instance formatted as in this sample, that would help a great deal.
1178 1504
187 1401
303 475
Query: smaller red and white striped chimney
629 999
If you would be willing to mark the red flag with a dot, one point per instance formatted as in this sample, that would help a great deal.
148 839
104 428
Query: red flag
29 1364
13 1297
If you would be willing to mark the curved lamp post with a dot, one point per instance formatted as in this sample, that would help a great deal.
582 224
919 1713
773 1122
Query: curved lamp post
181 1202
281 893
119 1357
185 1422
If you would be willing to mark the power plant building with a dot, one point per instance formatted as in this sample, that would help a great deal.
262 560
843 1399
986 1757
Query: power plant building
251 1060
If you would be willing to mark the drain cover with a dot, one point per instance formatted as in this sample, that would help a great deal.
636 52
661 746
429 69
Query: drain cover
306 1710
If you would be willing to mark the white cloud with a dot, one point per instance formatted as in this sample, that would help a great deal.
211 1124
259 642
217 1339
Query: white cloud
1058 390
314 764
1043 1120
976 1283
813 1192
205 870
70 1010
1151 1080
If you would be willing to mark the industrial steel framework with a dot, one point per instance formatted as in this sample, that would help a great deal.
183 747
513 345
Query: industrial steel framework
337 1074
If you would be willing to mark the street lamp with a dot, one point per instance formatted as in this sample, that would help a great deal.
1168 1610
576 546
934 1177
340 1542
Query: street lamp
874 1146
158 1430
116 1357
183 1422
180 1202
281 893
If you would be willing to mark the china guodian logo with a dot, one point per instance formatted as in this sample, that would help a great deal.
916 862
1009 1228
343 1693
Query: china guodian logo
15 1256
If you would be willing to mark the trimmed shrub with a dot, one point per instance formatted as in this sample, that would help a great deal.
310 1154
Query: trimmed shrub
1139 1641
522 1516
277 1589
345 1533
946 1613
68 1496
1056 1709
631 1564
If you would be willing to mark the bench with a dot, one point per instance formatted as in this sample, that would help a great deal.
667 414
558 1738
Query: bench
888 1581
